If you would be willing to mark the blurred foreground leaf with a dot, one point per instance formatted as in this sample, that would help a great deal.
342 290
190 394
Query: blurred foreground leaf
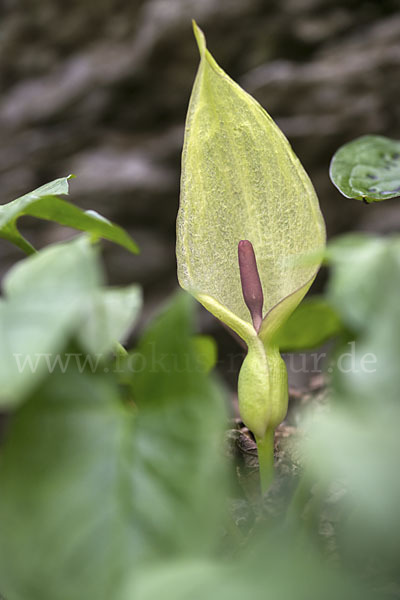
368 168
206 351
50 297
110 314
44 204
99 490
42 307
355 446
360 284
313 322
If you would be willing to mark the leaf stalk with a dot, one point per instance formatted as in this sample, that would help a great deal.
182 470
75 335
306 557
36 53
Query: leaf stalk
265 449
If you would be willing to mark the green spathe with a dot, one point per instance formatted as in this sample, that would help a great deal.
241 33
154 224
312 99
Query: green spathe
242 181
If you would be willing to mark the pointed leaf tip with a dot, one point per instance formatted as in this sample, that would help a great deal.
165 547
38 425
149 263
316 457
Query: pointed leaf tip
200 38
240 180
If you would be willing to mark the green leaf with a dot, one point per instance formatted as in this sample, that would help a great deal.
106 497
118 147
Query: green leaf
359 262
96 489
356 442
206 350
110 314
367 168
242 181
313 322
65 491
44 204
50 297
44 298
364 288
259 566
182 408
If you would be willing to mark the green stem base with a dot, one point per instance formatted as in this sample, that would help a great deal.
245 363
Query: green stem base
265 448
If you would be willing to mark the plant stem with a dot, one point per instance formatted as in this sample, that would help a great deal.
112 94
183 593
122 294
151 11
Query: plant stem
265 448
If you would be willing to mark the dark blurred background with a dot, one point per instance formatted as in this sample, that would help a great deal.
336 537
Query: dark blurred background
100 88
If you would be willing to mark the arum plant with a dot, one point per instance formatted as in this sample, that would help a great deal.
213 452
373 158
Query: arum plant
249 235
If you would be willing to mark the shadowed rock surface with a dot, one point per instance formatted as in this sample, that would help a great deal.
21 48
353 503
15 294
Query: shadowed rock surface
101 89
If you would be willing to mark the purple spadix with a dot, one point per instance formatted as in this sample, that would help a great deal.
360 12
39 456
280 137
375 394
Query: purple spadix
250 280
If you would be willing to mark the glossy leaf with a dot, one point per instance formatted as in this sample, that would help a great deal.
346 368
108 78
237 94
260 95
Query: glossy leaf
313 322
368 168
242 181
44 204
